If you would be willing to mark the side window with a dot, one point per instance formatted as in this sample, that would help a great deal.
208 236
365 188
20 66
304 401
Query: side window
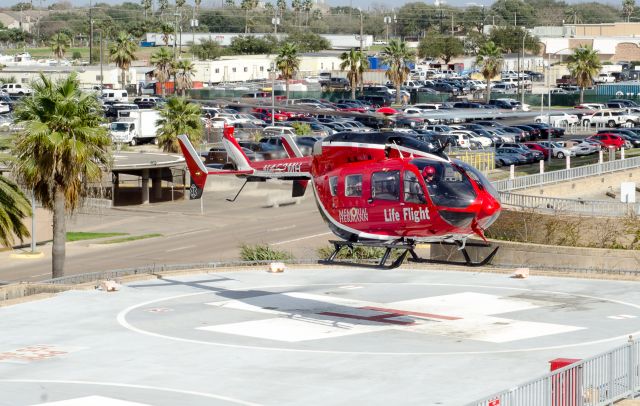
333 185
353 185
413 192
385 185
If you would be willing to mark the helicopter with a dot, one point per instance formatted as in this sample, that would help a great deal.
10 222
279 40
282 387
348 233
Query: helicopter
380 189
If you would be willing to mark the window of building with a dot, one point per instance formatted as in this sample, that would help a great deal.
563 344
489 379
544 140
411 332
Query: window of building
246 69
385 185
217 70
353 185
333 185
262 69
413 192
233 70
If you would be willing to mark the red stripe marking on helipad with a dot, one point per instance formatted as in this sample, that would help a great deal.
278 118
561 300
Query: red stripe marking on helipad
409 313
383 318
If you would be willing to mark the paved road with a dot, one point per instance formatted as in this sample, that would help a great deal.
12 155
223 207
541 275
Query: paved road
188 236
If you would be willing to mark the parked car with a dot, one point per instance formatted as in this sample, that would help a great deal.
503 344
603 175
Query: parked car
335 84
608 140
557 119
16 89
537 147
513 154
531 154
579 147
557 150
610 118
147 102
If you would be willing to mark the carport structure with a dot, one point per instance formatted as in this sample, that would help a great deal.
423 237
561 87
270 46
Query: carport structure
146 166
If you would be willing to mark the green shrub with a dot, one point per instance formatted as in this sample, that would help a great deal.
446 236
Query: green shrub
356 253
302 128
76 55
262 252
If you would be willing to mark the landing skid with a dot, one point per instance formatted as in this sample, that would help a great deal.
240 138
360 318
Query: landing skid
407 248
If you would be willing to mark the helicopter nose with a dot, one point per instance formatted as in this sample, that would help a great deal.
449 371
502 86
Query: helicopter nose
489 213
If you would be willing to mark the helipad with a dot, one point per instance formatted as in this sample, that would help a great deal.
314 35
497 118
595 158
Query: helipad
312 337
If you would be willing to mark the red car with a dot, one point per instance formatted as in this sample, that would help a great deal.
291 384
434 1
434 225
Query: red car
537 147
608 140
266 113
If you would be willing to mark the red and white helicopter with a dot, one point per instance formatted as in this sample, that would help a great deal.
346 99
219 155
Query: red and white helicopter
381 189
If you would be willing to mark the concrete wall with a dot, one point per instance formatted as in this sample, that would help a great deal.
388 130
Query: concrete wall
543 256
619 29
43 227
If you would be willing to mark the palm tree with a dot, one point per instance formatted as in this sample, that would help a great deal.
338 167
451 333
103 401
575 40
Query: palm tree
288 62
162 61
147 4
627 8
14 207
60 42
184 72
362 67
356 63
122 52
396 55
163 5
584 65
61 151
489 60
247 5
178 116
166 30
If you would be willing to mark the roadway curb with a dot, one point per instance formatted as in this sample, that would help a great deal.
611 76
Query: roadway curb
27 255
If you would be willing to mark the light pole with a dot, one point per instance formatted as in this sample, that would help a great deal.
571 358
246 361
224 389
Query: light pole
549 94
387 21
519 79
272 73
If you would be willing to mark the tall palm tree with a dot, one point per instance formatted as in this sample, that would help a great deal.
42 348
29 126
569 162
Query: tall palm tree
584 65
354 61
162 61
122 52
489 60
147 5
178 116
14 207
397 55
166 30
60 42
288 62
247 6
61 151
184 73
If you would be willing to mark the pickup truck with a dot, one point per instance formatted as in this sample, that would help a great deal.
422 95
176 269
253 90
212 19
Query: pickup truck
335 84
604 78
566 80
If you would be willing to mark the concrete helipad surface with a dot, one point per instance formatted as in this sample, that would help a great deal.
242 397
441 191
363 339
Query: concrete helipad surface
306 337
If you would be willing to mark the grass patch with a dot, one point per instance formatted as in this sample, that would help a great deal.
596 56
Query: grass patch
132 238
262 252
80 235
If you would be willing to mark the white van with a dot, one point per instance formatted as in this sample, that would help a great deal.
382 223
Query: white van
114 95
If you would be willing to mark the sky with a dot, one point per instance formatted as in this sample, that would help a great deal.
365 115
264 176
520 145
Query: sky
355 3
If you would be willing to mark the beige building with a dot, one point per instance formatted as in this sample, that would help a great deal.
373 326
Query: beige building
620 29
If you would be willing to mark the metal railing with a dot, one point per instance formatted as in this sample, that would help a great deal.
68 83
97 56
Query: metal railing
524 182
599 380
570 206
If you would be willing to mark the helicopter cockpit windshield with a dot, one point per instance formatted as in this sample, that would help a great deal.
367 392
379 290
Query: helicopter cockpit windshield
478 177
447 184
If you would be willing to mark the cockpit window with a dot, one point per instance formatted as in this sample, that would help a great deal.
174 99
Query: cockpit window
447 184
385 185
353 185
413 192
478 177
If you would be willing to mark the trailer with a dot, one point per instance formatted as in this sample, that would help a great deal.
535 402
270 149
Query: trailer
139 127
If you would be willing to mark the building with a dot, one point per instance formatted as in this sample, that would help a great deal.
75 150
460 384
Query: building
87 75
26 20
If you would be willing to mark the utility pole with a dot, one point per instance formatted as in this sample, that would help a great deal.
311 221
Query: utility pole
101 72
387 21
515 18
90 33
175 37
452 24
275 21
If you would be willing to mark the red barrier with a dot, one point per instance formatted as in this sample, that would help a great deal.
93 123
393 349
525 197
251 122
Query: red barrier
565 386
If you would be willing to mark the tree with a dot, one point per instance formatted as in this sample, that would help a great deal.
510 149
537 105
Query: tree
307 5
627 8
397 55
162 61
440 46
207 49
307 41
509 38
22 6
296 5
489 61
288 63
61 151
247 6
251 45
14 207
281 5
163 6
229 3
59 45
122 52
584 65
166 30
355 62
178 116
147 4
514 12
184 75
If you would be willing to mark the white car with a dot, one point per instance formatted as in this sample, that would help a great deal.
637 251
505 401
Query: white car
4 107
592 106
557 150
580 147
477 85
312 79
484 141
16 89
557 119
